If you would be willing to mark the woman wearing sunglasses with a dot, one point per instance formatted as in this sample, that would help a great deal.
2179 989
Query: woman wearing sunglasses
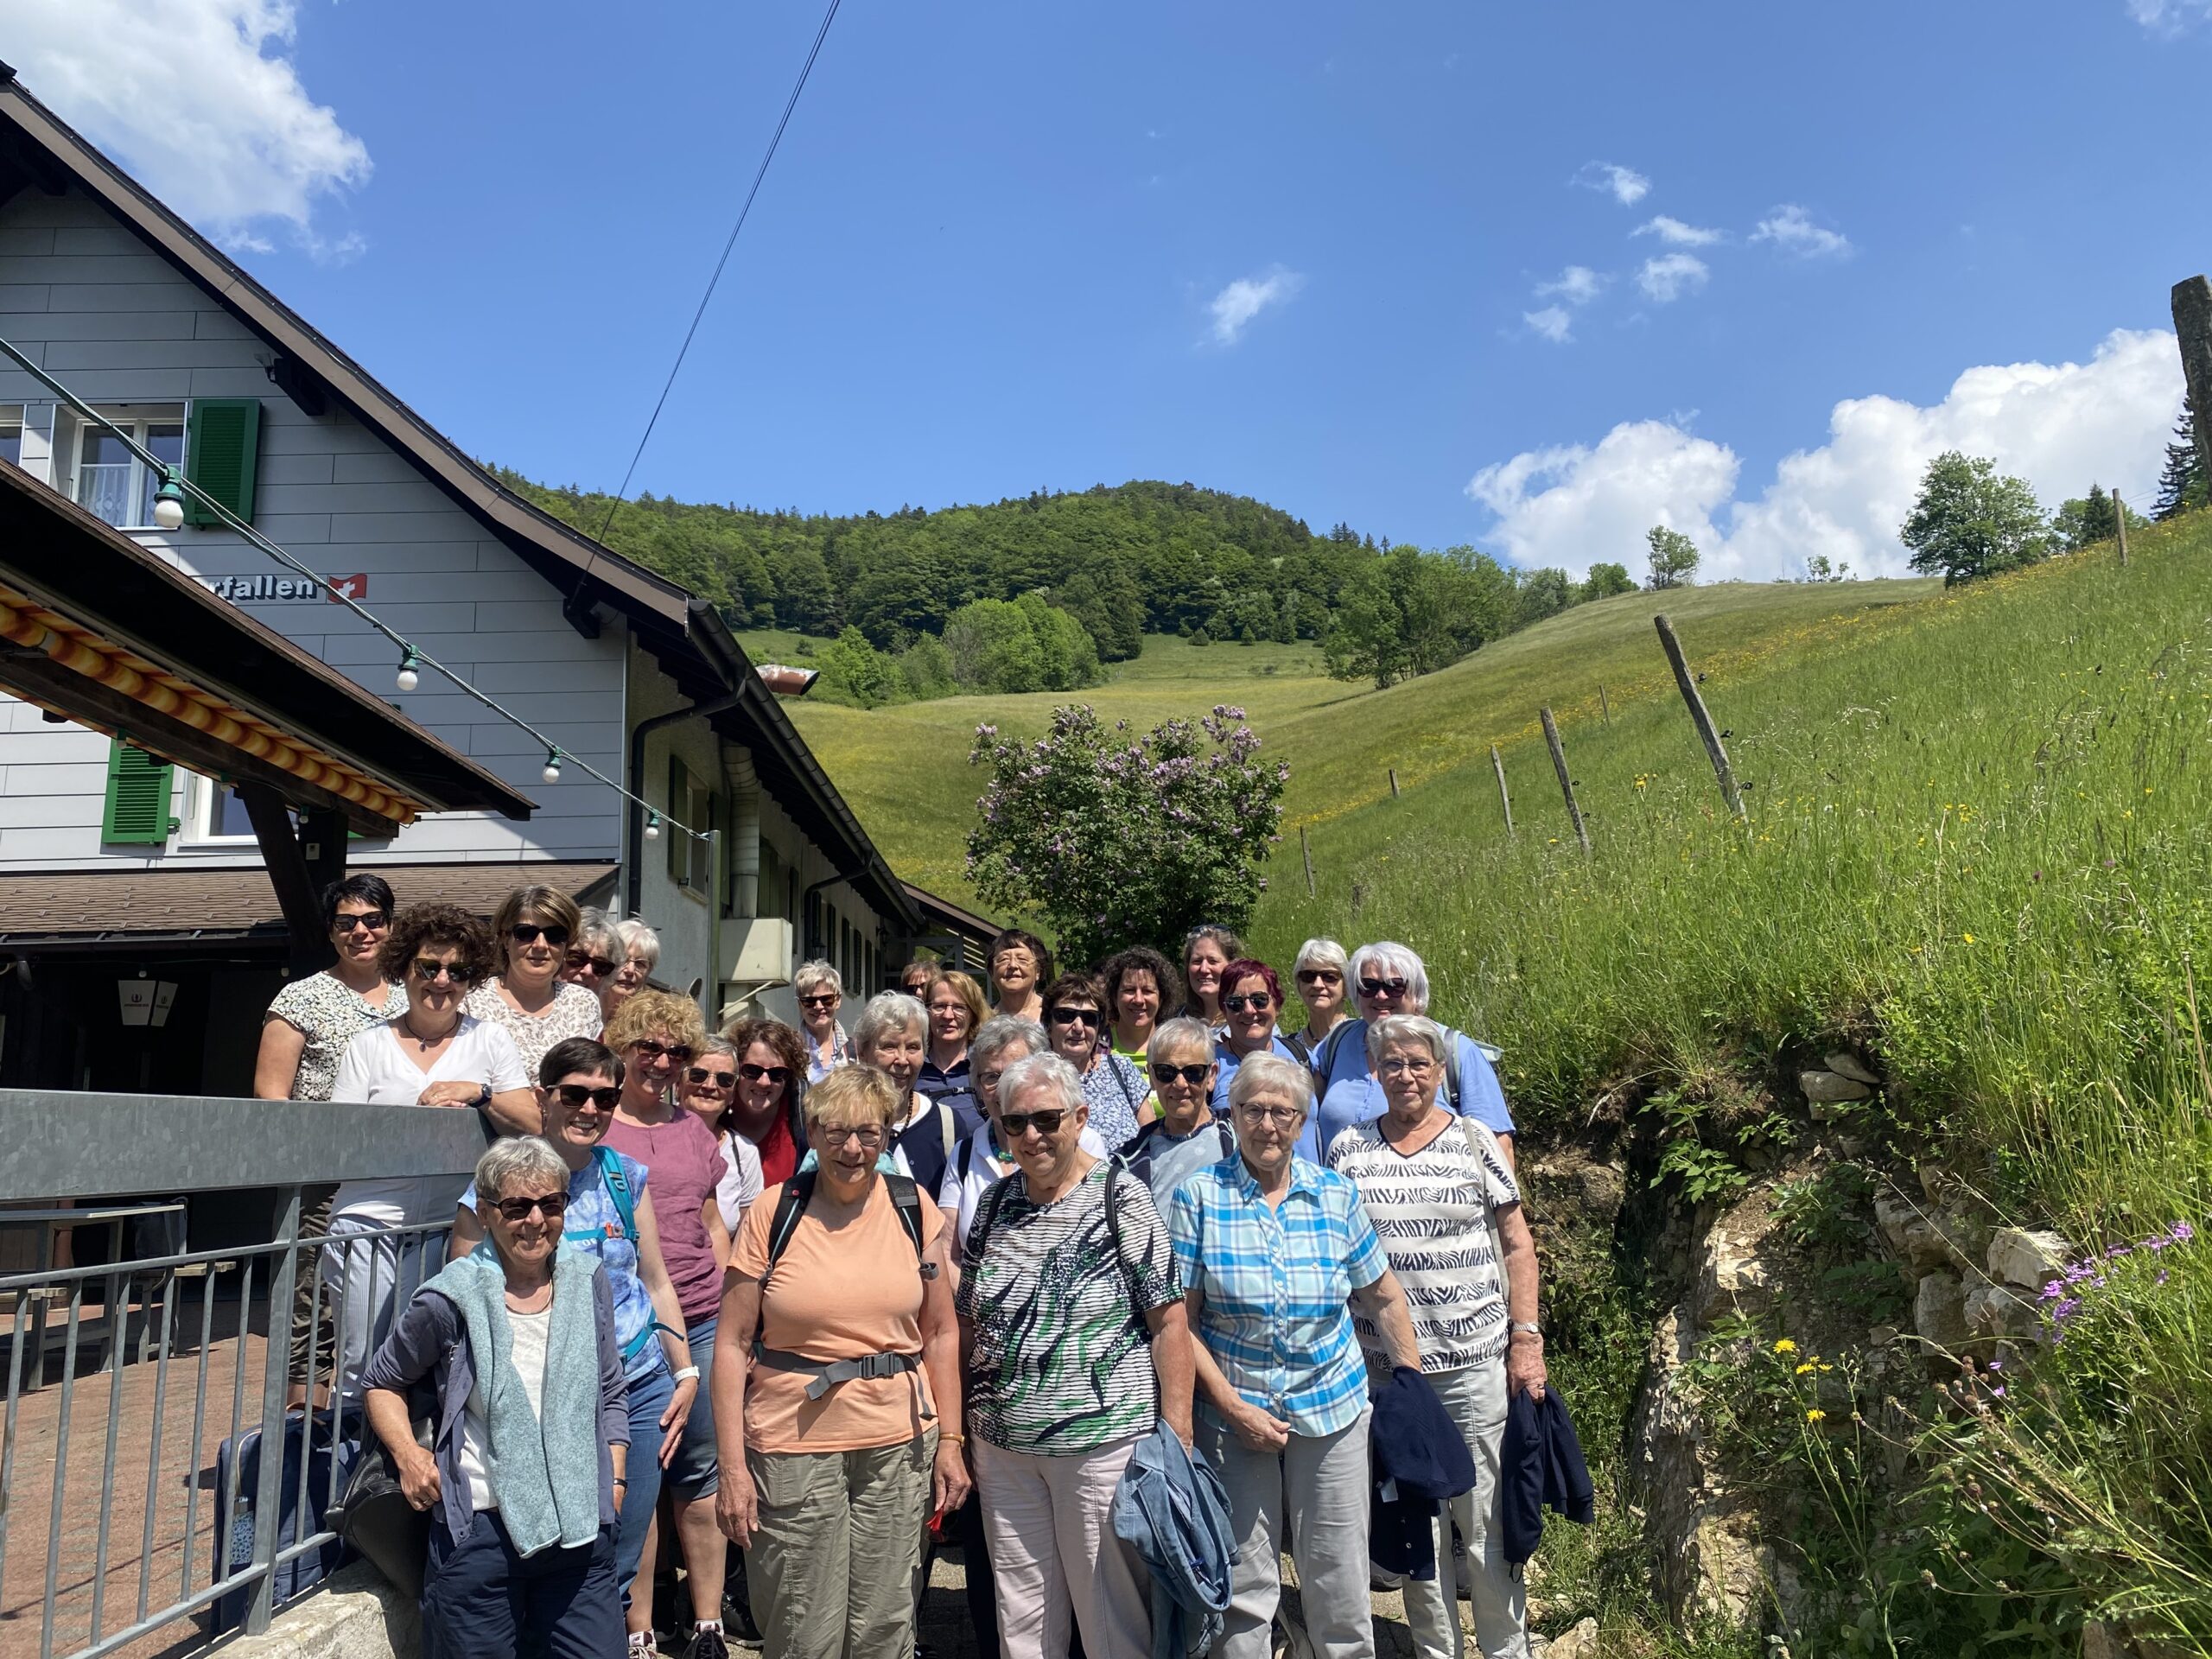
528 998
432 1053
1187 1135
771 1084
610 1215
1387 978
1319 974
707 1089
1072 1319
1252 1001
659 1035
821 993
526 1476
1075 1022
593 955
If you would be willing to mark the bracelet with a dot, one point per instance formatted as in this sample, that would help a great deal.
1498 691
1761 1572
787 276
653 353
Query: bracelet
951 1440
688 1374
1524 1326
623 1483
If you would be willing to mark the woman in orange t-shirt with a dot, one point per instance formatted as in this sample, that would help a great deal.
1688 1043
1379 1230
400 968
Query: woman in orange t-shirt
845 1436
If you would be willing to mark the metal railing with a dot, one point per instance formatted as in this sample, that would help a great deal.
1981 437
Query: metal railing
58 1145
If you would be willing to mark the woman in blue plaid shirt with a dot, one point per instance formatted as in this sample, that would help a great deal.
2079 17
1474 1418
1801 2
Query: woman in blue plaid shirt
1272 1249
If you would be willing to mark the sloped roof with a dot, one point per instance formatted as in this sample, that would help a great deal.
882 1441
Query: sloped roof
39 151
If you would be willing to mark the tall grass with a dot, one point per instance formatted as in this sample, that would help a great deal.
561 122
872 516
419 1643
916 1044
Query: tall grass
1978 842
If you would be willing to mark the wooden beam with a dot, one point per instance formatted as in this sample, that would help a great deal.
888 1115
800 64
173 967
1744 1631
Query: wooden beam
297 893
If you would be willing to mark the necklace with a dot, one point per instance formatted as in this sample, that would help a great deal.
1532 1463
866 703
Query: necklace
407 1024
535 1302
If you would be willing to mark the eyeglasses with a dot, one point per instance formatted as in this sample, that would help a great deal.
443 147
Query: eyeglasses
580 960
753 1073
827 1000
700 1074
646 1049
1075 1016
1258 1003
1281 1116
1383 987
575 1094
1193 1075
867 1139
527 933
373 920
430 972
1320 976
553 1204
1047 1122
987 1082
1396 1067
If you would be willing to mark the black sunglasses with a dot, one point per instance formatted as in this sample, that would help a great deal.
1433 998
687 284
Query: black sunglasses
579 959
574 1095
555 1204
826 1000
1379 987
720 1079
1164 1075
1257 1002
370 919
1048 1122
649 1050
1320 976
530 933
430 972
1075 1016
753 1073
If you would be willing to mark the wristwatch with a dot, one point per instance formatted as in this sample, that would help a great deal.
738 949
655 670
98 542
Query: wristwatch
1522 1326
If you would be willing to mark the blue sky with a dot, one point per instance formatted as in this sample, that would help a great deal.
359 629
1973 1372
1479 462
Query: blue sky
1530 278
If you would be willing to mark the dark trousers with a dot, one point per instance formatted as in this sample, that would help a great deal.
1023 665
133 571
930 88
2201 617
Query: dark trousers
481 1600
966 1526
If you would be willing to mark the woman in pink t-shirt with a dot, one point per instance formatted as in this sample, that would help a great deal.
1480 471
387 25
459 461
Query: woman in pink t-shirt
657 1034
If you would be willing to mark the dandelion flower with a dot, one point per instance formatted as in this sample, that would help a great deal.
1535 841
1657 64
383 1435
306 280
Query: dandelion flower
1806 1366
1785 1346
1966 937
1816 1415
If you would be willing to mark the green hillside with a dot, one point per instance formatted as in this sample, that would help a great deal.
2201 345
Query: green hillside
905 768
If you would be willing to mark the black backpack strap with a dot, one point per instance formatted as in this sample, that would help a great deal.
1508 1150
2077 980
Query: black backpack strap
979 1230
788 1208
906 1199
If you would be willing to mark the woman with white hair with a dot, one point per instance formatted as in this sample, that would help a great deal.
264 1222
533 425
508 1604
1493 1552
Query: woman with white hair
893 1035
1445 1206
1318 975
639 948
820 991
1071 1323
1387 978
1271 1249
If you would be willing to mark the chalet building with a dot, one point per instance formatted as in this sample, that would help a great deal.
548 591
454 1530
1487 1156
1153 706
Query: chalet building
115 866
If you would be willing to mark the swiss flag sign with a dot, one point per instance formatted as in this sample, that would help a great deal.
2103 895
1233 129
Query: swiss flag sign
343 587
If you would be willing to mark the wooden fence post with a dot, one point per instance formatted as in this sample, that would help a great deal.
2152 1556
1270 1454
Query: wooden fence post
1306 847
2119 526
1394 782
1688 682
1566 783
1504 798
1603 706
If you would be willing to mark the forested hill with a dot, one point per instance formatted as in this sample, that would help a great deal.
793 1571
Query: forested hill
1126 560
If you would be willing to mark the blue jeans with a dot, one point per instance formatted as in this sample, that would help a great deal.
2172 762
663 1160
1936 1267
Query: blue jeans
481 1600
696 1473
649 1397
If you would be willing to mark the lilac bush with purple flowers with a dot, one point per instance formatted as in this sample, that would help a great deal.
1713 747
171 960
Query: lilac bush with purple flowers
1116 839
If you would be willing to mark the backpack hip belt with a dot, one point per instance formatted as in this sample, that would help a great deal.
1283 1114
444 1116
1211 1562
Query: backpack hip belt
829 1373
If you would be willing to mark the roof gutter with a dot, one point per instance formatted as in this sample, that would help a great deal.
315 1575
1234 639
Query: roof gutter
634 874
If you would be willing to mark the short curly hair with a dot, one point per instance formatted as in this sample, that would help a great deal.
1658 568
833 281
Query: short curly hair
1140 959
652 1011
436 927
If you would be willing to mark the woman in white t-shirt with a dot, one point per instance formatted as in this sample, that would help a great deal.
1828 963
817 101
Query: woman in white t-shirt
706 1090
433 1054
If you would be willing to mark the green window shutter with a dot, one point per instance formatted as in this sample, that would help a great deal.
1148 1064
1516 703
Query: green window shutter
137 804
222 447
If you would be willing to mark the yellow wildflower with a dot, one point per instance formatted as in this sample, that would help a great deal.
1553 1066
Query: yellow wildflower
1806 1366
1816 1415
1785 1346
1967 938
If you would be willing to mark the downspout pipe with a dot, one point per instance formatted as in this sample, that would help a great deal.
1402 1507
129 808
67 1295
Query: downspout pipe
634 876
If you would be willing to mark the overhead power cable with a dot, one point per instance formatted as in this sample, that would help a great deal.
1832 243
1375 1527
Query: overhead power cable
412 659
759 173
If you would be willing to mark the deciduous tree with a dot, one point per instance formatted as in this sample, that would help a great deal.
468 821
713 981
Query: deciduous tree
1970 520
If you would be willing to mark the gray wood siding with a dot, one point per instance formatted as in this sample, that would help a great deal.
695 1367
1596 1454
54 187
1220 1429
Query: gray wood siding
86 299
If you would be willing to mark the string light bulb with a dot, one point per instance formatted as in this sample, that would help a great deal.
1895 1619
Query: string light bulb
652 826
409 674
169 502
552 765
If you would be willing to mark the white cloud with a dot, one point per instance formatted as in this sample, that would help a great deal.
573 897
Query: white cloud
1246 298
1671 275
1577 285
2059 426
1791 229
1551 323
1624 184
1675 234
197 99
2169 17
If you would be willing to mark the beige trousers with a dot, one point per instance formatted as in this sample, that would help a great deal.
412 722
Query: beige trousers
832 1567
1050 1521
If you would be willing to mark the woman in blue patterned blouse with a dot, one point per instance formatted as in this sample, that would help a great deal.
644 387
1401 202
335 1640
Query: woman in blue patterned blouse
1273 1250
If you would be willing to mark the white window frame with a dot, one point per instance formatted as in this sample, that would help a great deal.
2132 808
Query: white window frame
68 461
202 798
11 420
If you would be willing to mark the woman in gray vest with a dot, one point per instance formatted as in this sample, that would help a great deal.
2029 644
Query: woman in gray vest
525 1475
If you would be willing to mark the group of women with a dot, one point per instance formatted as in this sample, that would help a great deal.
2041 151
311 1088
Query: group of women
958 1263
